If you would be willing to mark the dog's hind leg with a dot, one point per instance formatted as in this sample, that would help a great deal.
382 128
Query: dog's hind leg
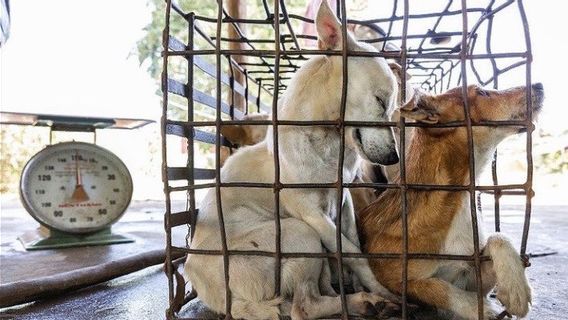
442 294
246 309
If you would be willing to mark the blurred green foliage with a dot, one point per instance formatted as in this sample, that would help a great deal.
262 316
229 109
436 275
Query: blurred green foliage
553 162
149 48
17 145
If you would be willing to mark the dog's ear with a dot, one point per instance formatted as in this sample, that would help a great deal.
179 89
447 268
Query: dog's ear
255 133
328 28
420 108
397 70
244 134
236 134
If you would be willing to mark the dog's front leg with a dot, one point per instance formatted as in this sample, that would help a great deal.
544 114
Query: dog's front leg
348 223
513 289
307 206
349 229
327 230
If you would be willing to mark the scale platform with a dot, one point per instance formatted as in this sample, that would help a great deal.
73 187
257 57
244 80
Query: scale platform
44 238
70 123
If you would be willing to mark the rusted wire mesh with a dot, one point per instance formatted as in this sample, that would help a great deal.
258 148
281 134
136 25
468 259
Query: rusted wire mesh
434 62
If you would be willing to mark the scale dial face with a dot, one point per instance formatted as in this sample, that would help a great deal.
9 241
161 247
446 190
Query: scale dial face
76 187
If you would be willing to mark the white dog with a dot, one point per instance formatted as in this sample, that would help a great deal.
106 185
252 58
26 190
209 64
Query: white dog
306 155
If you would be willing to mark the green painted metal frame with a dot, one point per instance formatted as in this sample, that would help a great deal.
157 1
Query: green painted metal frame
43 238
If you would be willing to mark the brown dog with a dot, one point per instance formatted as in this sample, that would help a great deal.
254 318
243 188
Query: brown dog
439 222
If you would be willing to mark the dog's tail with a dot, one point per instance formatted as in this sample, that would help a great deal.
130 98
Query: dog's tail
266 309
512 287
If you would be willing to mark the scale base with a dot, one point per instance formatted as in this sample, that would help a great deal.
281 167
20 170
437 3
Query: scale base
44 238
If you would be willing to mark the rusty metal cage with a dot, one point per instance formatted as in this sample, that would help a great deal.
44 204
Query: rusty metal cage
254 83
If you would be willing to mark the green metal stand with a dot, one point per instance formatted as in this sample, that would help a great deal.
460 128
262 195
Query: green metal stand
44 238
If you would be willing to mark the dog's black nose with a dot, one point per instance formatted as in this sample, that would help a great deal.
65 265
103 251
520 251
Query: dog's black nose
538 86
392 158
537 95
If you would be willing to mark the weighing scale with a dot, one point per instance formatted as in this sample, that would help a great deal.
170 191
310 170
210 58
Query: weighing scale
75 190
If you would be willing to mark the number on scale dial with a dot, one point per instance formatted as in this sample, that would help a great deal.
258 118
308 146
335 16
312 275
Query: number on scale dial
76 187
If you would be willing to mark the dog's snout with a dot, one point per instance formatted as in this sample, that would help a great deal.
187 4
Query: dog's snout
537 95
538 87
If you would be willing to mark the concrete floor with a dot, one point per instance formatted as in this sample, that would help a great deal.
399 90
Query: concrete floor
143 295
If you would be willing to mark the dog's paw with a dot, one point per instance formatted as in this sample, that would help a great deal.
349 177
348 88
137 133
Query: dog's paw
384 292
491 310
387 309
516 297
298 313
370 304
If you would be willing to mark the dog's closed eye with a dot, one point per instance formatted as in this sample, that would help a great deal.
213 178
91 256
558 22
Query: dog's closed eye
380 101
482 93
382 105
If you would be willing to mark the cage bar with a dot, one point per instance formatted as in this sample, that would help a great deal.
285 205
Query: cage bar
272 60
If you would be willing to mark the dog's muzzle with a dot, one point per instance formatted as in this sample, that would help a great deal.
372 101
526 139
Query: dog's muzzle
537 93
376 154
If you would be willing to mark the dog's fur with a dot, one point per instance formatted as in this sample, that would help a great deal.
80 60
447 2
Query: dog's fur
440 221
306 155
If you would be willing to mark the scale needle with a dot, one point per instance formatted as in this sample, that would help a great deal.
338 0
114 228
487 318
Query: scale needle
79 194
